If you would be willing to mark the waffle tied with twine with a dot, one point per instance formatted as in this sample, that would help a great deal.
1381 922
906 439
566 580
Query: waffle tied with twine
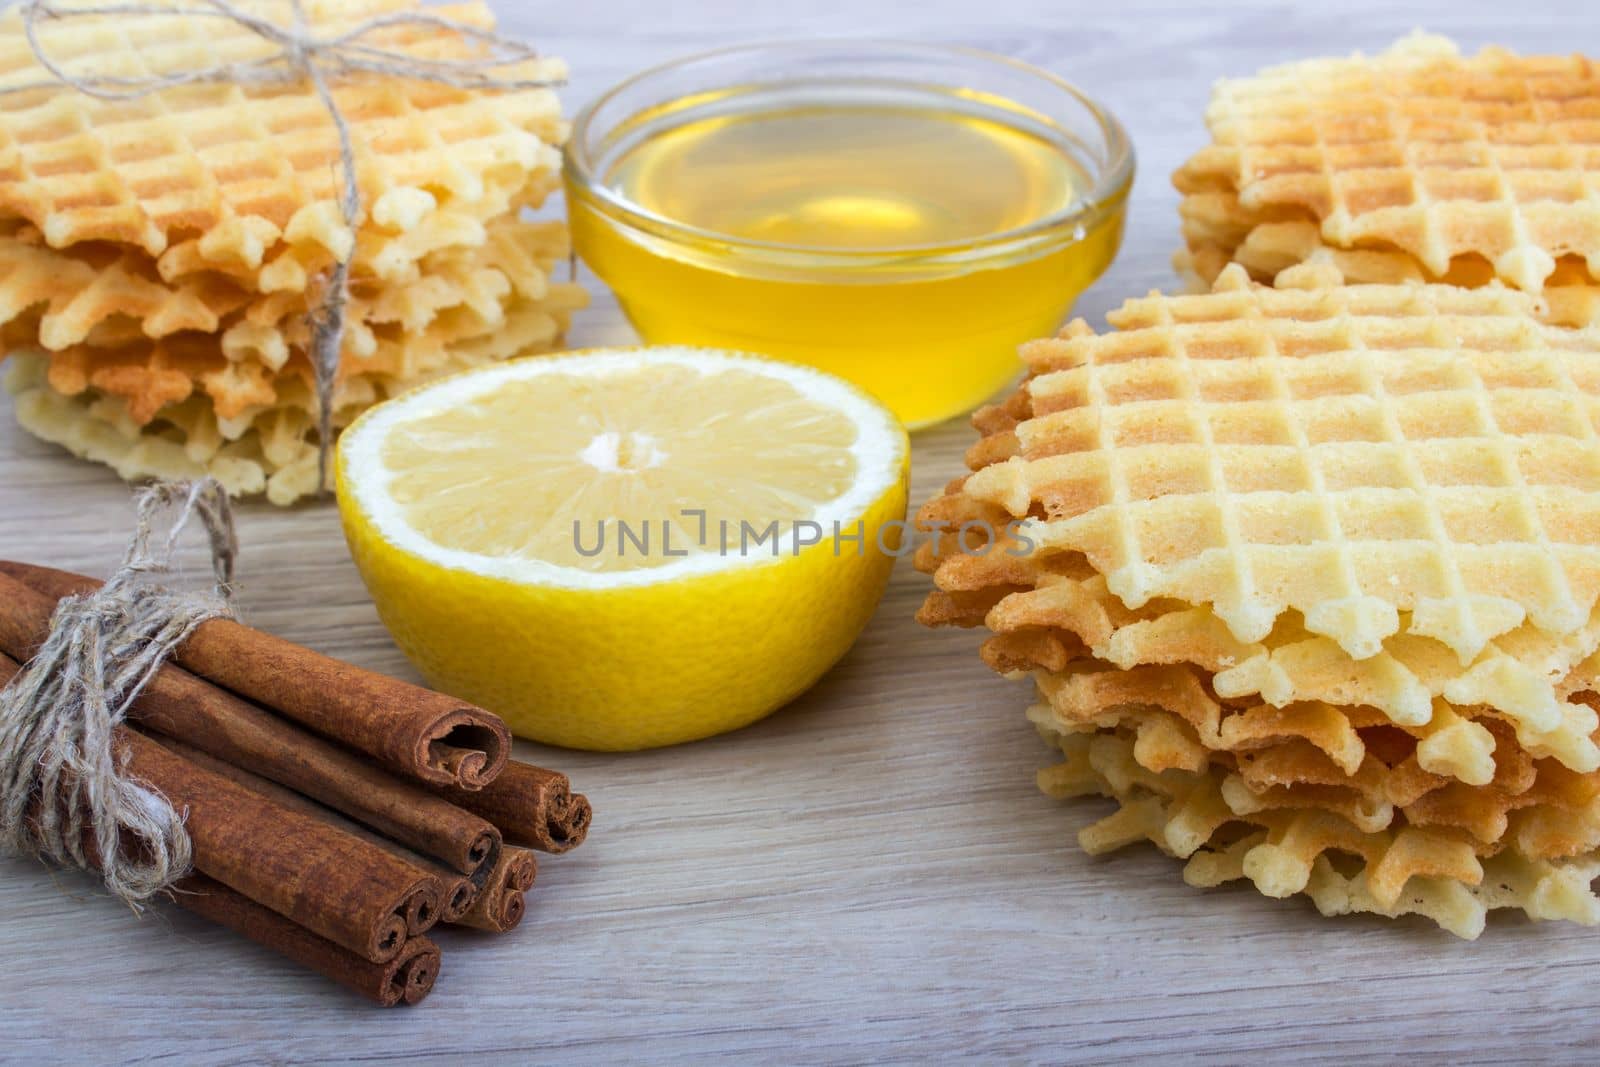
170 255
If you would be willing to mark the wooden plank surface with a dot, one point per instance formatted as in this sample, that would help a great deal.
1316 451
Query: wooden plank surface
870 874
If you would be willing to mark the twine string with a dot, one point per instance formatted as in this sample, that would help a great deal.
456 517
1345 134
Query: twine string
302 56
61 781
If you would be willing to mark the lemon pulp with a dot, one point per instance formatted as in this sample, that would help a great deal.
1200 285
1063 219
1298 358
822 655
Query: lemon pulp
476 510
620 449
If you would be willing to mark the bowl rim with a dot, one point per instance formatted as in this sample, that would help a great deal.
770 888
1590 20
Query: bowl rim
1111 185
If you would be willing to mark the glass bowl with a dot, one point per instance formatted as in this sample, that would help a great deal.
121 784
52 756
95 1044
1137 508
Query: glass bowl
930 328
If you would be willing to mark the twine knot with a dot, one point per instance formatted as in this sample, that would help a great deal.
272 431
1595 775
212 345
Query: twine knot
301 56
64 794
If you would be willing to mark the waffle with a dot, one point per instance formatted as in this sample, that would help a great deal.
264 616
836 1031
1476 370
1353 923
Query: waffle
1485 163
268 449
404 226
1381 460
1321 758
161 258
1045 619
1442 874
1306 572
103 295
399 330
1294 255
232 173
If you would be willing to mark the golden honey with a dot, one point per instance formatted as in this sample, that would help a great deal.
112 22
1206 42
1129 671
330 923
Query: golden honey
905 237
848 177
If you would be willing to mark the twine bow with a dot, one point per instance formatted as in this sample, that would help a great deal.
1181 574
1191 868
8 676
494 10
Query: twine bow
301 56
60 779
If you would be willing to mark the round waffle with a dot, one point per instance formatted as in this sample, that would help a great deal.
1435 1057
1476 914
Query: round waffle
1444 159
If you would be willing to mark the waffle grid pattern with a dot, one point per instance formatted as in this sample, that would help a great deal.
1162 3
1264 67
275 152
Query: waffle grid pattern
1418 449
1419 149
210 159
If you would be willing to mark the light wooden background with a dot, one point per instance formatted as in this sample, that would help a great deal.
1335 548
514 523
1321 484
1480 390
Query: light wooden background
869 874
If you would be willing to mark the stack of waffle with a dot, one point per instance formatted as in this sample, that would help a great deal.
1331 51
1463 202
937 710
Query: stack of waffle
1307 582
1418 164
159 256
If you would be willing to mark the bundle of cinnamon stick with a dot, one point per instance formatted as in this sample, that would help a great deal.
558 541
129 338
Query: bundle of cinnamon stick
336 815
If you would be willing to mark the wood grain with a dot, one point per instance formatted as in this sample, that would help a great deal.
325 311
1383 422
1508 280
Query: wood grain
871 873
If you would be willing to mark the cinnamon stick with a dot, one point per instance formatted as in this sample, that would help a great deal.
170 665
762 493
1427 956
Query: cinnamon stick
406 978
335 885
459 897
182 706
497 906
425 735
502 904
458 892
531 806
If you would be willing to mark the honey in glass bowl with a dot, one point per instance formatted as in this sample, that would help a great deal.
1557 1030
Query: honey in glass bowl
903 216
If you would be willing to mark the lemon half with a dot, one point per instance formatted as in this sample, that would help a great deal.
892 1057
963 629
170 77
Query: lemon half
627 548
